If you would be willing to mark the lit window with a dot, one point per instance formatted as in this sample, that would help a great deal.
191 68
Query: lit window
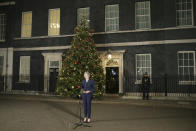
26 24
142 17
112 18
24 69
54 22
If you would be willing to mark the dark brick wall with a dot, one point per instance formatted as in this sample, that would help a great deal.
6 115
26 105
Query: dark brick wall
10 17
163 15
36 71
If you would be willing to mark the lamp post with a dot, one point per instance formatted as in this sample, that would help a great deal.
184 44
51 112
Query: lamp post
109 54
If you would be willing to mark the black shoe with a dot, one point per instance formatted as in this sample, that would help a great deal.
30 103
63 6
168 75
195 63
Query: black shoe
85 120
89 121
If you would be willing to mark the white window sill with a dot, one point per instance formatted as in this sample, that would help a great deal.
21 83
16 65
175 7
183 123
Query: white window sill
138 82
187 82
184 26
144 29
115 31
53 35
24 82
26 37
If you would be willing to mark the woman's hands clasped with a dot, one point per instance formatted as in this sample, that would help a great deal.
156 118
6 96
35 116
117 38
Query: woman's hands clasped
86 92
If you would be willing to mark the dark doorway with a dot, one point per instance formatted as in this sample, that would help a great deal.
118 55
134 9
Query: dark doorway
53 79
112 80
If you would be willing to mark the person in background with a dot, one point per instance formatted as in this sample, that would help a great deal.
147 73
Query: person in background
88 88
145 86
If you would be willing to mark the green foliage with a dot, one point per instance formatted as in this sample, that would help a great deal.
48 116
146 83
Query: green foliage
81 57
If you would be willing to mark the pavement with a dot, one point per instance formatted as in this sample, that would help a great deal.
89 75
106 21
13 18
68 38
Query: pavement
54 113
190 104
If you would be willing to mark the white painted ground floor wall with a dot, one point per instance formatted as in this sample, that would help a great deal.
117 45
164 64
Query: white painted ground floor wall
7 54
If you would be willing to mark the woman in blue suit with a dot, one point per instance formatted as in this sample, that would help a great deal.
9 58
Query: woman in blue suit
88 88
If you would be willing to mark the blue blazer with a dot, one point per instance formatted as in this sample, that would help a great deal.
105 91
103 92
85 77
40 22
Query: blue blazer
90 85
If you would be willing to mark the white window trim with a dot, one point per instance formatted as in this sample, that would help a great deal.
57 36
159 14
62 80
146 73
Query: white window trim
140 81
3 52
47 58
142 29
54 61
187 82
118 18
25 81
184 26
5 25
3 71
7 3
49 21
22 24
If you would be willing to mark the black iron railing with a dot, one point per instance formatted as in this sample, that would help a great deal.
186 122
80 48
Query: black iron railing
162 85
2 83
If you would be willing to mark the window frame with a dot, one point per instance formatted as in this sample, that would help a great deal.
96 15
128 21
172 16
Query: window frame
53 66
88 20
110 18
29 73
150 75
49 21
150 22
181 26
3 60
185 82
23 23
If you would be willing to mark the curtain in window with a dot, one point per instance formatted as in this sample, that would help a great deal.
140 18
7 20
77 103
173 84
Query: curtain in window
54 22
26 24
24 69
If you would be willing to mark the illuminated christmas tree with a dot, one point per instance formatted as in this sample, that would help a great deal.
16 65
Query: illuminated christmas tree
81 57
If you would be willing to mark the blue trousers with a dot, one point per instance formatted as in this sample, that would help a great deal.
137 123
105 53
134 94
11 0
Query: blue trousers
87 104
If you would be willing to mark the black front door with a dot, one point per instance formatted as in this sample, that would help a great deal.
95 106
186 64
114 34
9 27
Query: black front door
112 80
1 83
53 79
